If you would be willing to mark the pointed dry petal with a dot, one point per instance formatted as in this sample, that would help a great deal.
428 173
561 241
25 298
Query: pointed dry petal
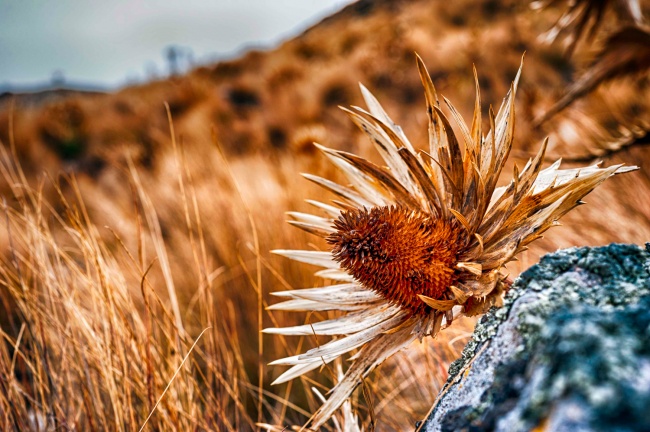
472 267
462 220
330 210
364 184
311 229
455 167
459 295
318 258
433 200
345 325
370 356
477 135
464 130
378 112
338 347
335 274
297 370
384 178
483 285
321 222
341 191
387 150
344 294
312 305
439 305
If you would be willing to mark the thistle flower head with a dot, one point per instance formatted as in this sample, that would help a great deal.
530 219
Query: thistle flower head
418 242
398 253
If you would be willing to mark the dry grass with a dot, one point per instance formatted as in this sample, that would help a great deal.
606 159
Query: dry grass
89 343
97 327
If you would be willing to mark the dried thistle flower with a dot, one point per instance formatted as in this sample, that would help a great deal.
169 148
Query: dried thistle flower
423 240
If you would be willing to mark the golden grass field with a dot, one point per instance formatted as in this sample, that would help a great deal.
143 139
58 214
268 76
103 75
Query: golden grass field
137 225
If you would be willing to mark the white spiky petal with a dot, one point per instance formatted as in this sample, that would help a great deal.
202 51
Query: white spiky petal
446 183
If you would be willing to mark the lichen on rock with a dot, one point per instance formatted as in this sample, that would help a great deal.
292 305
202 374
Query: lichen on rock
569 351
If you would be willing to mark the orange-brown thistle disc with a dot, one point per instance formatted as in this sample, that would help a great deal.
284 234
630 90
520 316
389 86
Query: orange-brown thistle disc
398 253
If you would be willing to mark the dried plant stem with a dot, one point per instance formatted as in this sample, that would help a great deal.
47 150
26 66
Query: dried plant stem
173 377
258 282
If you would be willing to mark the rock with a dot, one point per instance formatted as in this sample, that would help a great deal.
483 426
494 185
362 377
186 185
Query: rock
569 351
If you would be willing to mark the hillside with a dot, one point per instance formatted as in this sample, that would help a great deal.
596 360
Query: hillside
264 110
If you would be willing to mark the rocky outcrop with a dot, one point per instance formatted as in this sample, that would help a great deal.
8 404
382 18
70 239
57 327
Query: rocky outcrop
569 351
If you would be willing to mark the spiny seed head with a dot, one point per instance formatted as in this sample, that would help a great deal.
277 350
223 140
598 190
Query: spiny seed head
398 253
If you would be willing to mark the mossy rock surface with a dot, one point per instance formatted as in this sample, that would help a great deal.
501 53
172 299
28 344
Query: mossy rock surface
569 351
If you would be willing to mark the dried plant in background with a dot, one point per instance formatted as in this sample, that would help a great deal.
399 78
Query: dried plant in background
591 138
583 18
423 240
624 53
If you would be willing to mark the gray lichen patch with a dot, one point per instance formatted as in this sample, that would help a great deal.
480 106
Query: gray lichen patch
570 349
596 357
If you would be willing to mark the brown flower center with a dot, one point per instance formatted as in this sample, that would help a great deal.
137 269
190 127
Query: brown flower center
398 253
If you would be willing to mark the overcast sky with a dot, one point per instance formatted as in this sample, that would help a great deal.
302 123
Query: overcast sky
110 42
